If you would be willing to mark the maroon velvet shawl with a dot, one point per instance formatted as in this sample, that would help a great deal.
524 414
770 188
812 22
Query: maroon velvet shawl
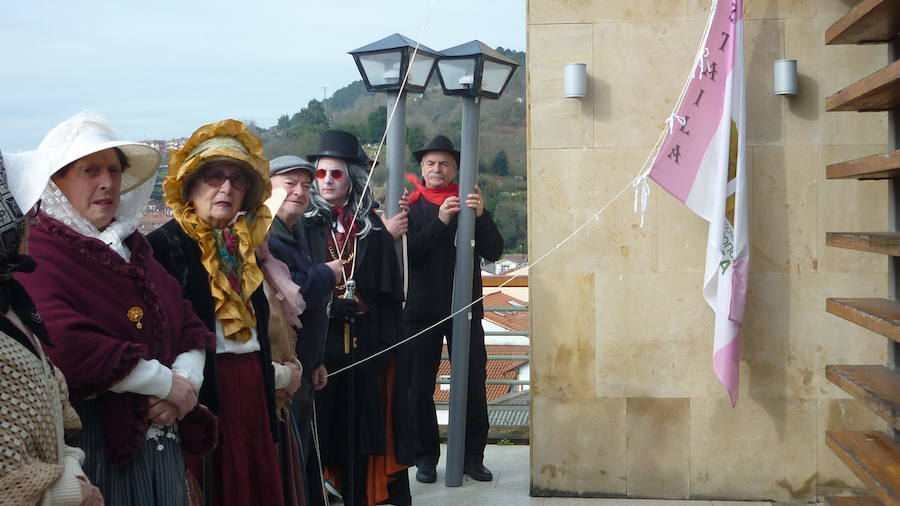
84 292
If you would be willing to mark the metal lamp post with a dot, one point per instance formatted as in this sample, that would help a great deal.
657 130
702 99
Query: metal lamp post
382 65
472 71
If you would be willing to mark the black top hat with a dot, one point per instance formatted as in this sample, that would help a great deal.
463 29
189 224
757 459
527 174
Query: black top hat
439 143
337 144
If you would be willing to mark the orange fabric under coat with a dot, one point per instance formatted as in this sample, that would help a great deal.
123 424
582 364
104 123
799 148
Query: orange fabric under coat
380 467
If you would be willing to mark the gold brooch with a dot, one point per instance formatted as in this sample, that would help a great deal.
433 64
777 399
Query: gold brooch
134 316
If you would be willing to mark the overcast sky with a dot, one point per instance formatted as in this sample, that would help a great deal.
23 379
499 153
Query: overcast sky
160 69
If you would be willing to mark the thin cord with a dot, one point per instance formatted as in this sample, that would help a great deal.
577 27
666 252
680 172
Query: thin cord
315 434
644 172
501 285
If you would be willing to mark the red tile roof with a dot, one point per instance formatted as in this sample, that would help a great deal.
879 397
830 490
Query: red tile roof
518 258
510 320
496 369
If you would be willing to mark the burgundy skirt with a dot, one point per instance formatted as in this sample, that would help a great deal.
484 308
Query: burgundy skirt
246 461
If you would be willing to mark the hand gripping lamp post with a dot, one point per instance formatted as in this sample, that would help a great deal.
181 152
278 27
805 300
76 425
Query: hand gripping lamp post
383 65
472 71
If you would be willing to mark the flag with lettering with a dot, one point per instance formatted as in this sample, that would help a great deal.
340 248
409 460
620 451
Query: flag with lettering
702 163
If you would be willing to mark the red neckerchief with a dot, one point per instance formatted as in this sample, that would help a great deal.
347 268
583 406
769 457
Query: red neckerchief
436 196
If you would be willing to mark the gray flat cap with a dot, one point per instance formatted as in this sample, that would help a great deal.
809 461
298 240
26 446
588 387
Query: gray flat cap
288 163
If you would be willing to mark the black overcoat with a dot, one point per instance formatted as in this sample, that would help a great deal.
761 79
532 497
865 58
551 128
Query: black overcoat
380 287
316 281
432 260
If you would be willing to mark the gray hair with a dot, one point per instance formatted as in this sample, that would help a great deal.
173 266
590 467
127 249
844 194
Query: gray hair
319 207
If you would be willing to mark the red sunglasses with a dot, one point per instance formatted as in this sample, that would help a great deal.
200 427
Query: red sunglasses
335 174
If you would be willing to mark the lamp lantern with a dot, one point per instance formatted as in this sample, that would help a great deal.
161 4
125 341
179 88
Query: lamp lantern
474 70
383 64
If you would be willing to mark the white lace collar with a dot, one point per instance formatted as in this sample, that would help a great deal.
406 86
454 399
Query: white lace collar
132 207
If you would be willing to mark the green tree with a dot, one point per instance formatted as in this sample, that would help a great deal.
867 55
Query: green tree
510 216
346 97
311 115
490 191
354 128
303 130
284 122
415 137
500 164
375 124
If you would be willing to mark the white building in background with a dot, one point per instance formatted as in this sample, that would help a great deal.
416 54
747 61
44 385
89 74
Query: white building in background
505 265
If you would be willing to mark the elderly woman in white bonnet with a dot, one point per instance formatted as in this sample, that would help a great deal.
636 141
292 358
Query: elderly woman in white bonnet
130 346
36 466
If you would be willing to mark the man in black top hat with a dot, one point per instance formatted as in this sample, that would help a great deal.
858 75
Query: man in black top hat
362 413
434 207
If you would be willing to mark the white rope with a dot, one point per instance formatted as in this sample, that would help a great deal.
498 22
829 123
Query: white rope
639 179
642 193
670 122
698 66
593 217
501 285
315 435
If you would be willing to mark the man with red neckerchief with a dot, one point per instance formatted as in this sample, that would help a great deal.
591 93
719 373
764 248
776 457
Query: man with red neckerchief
434 207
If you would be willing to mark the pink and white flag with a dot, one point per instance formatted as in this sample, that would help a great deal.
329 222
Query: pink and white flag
702 163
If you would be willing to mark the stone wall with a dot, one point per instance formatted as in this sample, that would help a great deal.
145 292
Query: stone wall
625 401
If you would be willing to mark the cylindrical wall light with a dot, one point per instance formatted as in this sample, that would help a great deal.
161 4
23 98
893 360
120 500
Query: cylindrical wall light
785 77
575 80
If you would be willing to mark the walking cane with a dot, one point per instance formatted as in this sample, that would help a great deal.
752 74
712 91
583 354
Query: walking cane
349 345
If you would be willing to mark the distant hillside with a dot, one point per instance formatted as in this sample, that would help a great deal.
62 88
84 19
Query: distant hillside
502 143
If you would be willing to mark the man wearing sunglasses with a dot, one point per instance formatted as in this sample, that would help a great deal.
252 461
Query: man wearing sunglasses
434 207
364 408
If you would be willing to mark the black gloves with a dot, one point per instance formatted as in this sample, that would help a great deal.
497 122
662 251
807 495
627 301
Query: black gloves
344 308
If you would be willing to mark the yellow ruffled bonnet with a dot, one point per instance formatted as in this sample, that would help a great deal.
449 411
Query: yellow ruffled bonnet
228 140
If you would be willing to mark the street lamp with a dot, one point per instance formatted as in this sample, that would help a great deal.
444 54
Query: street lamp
382 65
473 71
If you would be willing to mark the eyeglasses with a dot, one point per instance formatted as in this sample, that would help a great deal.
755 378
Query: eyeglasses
35 210
335 174
217 179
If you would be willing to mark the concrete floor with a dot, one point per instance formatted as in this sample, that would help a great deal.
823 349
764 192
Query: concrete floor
510 487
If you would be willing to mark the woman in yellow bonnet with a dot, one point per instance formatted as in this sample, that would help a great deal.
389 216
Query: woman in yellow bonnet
216 187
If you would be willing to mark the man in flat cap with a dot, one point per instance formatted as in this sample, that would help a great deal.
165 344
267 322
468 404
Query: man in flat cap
434 207
288 242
